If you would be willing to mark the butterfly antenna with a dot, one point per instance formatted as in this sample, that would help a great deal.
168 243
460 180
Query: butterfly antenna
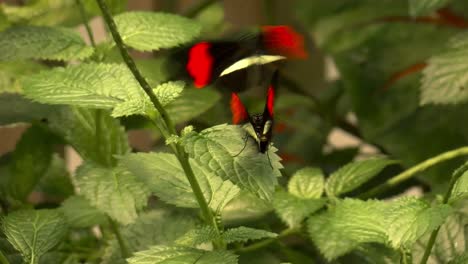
246 137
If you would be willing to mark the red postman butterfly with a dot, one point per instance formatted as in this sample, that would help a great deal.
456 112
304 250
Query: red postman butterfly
262 123
240 64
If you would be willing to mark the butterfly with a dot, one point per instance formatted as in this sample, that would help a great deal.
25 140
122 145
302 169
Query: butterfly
238 65
221 62
262 123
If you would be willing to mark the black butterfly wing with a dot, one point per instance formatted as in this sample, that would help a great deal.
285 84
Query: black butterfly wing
203 62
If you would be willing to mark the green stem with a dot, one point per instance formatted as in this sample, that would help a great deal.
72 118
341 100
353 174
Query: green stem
268 241
3 258
407 174
206 212
169 128
430 244
79 3
406 257
455 176
123 246
133 68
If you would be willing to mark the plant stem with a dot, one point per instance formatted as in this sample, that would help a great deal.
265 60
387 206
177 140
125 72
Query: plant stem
430 244
455 176
207 213
407 174
268 241
406 257
133 68
123 246
79 3
169 128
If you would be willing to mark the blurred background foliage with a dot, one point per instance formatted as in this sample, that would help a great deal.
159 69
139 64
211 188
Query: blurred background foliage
357 94
360 84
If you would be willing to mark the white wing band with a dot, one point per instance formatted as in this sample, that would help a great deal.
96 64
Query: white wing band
249 61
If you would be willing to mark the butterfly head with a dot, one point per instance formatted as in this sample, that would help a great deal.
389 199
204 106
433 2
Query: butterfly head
262 126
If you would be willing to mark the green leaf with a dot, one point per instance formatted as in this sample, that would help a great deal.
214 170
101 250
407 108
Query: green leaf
4 23
97 86
373 254
461 259
246 207
9 251
114 191
192 103
31 159
312 12
147 31
411 219
444 79
33 42
59 257
34 232
36 12
94 134
14 109
460 189
244 234
56 181
157 227
351 16
223 192
351 223
368 55
197 236
154 69
353 175
164 176
182 255
166 93
307 183
216 150
56 12
88 85
11 71
207 234
451 240
80 214
347 224
425 7
293 210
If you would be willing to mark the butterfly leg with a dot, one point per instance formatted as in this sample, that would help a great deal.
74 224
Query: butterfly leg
246 137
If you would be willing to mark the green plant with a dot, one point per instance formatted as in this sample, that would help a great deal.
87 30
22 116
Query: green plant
192 199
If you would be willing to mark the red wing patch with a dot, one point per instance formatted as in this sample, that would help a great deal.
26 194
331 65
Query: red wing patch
239 113
270 100
200 64
283 40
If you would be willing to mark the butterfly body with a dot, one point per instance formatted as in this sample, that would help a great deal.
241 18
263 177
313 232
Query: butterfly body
261 123
263 131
